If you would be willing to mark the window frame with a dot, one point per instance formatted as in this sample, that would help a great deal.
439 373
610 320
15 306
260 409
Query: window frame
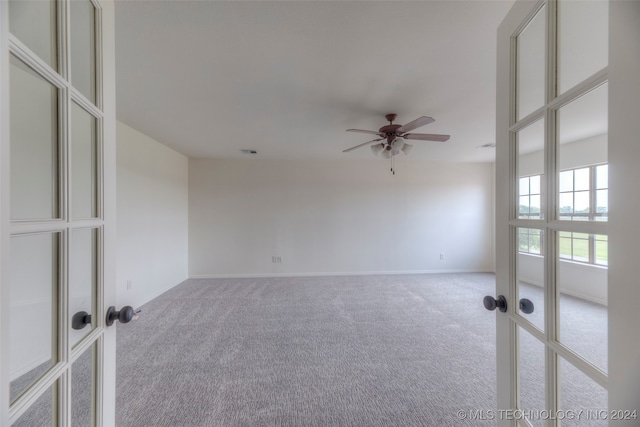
592 191
573 237
529 194
529 232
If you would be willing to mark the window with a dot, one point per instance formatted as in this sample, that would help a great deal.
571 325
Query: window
530 241
582 247
529 193
574 246
584 194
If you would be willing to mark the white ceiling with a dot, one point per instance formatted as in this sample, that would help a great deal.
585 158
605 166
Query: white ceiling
287 78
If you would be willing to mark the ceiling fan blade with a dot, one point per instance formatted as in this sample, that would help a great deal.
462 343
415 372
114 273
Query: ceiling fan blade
420 121
427 137
361 145
373 132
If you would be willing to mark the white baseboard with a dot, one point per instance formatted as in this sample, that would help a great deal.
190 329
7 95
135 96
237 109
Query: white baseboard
575 294
28 367
532 282
140 300
583 296
342 273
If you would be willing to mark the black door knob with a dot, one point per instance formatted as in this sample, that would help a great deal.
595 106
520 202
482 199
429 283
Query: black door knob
80 320
490 303
124 315
526 306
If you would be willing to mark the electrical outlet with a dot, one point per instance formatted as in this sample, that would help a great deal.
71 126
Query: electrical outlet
129 285
441 256
276 259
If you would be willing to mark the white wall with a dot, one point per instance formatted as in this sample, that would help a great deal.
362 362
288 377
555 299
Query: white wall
580 280
152 228
585 152
33 146
325 217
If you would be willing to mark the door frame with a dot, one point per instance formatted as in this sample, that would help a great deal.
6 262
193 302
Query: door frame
624 203
107 412
506 353
4 211
106 350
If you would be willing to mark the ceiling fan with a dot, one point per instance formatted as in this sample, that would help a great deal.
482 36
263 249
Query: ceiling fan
393 136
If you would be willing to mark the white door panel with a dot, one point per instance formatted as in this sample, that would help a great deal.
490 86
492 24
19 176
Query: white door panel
564 229
57 187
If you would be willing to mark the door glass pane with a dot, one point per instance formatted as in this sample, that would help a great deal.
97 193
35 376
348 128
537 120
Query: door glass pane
43 411
82 380
83 163
531 377
583 36
581 397
530 283
34 145
83 48
582 157
530 142
530 65
34 24
582 291
33 308
82 278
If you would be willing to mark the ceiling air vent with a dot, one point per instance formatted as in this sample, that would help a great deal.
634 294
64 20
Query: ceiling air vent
248 151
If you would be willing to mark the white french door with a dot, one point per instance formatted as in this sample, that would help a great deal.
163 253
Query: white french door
562 340
57 189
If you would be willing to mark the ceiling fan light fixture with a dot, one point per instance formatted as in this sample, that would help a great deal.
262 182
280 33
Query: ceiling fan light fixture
377 148
393 137
397 144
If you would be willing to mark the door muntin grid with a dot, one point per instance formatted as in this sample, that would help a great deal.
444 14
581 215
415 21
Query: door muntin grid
55 66
549 221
